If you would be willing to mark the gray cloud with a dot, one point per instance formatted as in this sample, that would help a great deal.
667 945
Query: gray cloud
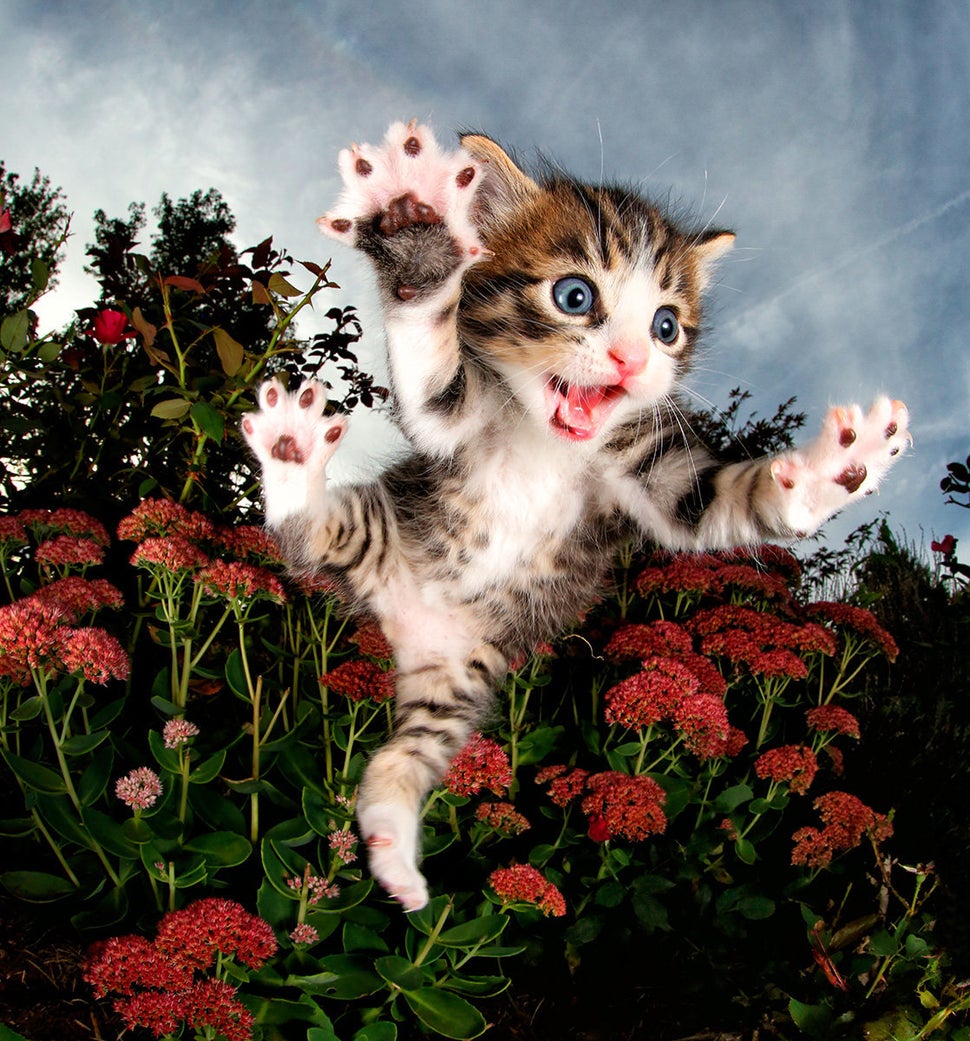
832 135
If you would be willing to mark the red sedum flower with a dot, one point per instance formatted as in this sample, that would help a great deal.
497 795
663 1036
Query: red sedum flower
523 884
794 765
482 763
628 807
360 681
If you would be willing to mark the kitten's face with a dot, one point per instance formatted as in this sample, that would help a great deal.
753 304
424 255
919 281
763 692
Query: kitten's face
589 305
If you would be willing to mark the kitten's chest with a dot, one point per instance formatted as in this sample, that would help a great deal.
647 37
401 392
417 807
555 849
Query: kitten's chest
521 510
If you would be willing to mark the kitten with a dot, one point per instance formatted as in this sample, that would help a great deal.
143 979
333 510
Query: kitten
537 333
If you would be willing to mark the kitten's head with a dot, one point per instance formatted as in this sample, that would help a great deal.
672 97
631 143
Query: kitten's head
590 302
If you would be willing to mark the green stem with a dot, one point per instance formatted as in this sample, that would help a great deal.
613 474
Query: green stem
433 935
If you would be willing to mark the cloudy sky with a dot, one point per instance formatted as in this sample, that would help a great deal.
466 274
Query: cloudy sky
833 136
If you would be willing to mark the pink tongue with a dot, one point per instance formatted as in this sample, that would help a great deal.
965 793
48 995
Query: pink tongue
577 407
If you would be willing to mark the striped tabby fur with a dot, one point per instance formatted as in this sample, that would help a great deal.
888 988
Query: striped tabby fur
537 333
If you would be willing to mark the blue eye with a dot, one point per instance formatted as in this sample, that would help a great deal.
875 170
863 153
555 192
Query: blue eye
573 295
665 328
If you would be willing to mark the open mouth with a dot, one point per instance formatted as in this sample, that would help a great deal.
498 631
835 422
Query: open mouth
578 413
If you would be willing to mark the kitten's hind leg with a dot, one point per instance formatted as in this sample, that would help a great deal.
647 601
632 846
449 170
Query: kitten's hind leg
437 706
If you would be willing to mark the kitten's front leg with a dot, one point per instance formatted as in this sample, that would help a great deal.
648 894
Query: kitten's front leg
408 205
293 441
845 462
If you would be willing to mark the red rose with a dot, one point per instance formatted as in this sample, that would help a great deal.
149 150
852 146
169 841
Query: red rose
5 223
109 327
946 545
598 830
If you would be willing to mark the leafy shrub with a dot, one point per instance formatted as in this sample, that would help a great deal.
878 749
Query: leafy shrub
186 726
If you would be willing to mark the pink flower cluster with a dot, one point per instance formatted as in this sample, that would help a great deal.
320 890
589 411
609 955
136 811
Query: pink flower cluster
766 644
619 804
316 887
503 817
47 524
686 690
360 681
523 884
794 765
482 763
832 719
857 620
162 518
845 820
711 574
236 580
616 804
370 640
177 731
565 783
139 789
36 635
158 983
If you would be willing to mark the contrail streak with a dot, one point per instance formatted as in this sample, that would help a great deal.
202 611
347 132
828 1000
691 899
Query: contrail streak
854 254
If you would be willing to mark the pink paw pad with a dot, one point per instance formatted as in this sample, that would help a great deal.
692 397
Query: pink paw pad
409 179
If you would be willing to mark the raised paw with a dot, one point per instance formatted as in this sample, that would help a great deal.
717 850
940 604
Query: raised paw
846 461
407 182
390 832
293 440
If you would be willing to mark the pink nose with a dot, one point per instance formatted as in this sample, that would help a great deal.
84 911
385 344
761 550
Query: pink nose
629 358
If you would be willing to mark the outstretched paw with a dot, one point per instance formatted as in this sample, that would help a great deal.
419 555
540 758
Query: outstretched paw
391 836
846 461
293 441
408 182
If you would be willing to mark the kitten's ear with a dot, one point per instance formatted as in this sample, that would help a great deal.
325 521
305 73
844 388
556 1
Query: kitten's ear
504 187
709 247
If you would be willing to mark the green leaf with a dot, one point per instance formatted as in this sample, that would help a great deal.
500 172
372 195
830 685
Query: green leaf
35 776
359 938
446 1013
6 1034
281 1011
733 797
81 744
29 709
109 834
382 1031
535 746
221 848
167 758
40 274
208 769
230 351
478 986
401 972
109 910
479 930
171 408
279 285
882 944
105 716
15 331
17 827
218 811
236 675
745 851
756 907
344 977
210 420
37 887
813 1019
